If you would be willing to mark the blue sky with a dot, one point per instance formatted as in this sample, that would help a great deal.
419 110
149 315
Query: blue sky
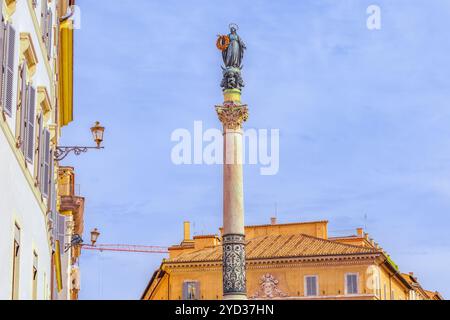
363 117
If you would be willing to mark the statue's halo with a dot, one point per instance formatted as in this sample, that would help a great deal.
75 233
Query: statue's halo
233 25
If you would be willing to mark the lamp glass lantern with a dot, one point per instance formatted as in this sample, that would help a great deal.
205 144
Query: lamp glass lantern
94 236
97 133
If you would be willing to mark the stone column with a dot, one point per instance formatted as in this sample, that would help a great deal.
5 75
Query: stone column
233 114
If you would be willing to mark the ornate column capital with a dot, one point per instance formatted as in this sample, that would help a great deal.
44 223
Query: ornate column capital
232 115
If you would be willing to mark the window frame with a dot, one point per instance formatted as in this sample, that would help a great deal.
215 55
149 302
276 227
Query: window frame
15 283
305 284
186 288
346 283
35 275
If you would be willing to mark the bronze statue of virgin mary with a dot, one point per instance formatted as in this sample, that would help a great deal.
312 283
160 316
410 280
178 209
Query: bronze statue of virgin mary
232 48
234 53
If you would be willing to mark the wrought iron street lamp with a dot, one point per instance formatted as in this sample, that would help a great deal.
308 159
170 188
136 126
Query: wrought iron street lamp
97 133
94 236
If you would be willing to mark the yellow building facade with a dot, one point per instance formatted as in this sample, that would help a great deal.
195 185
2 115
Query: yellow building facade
286 261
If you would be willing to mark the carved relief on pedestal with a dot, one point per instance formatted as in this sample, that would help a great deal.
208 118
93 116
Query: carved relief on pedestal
234 264
232 115
268 288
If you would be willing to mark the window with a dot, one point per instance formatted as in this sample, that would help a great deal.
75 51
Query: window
16 263
351 283
8 60
47 26
27 109
385 292
311 286
191 290
35 275
46 157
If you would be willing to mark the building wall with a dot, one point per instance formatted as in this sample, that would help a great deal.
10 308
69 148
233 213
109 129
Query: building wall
291 281
21 201
18 204
283 277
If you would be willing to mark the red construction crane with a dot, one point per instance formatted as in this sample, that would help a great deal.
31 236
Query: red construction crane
116 247
126 248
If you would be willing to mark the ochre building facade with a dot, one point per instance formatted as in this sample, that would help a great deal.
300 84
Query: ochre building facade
287 261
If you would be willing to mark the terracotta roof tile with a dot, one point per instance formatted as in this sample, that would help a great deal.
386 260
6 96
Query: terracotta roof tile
279 246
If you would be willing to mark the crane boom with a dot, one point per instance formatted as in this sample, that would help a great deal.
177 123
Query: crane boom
126 248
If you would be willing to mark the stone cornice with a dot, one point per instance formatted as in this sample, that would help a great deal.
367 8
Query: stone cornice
283 262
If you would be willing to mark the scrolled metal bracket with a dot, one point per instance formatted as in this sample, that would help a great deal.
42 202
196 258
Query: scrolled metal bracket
62 152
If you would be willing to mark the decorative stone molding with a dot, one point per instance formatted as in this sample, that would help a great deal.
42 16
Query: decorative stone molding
28 53
268 288
44 99
234 264
232 115
10 6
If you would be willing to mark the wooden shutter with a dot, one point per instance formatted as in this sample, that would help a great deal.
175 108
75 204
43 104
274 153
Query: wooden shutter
185 290
46 164
23 107
9 69
41 154
61 230
39 149
44 9
49 33
31 107
197 291
2 50
51 199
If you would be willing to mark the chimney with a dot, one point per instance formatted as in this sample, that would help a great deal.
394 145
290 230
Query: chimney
187 231
273 221
360 232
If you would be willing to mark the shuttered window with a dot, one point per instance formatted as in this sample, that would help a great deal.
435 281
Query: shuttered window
61 231
351 283
51 199
27 116
49 35
45 172
8 69
35 276
16 263
2 52
191 290
311 287
47 26
44 10
39 149
30 126
23 106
